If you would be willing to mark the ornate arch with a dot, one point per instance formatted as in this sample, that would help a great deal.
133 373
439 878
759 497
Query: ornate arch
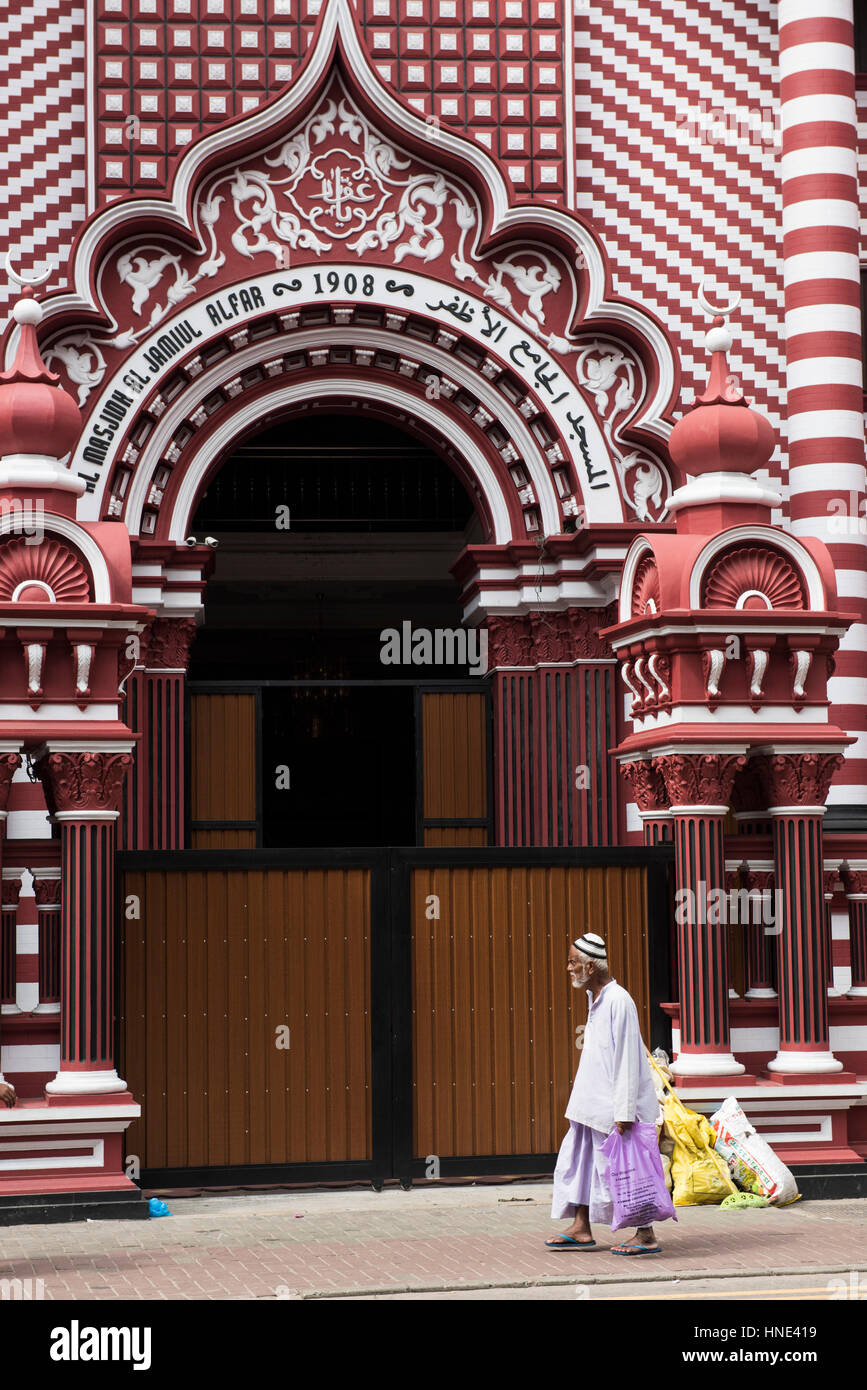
337 207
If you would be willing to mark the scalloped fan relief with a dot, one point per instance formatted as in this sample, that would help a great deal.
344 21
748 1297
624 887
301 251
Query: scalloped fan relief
753 571
48 563
646 595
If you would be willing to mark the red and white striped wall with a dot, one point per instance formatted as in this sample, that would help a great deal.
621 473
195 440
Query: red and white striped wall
821 271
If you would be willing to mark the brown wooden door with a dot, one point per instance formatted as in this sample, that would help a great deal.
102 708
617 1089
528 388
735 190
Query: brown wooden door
454 768
215 963
222 769
494 1015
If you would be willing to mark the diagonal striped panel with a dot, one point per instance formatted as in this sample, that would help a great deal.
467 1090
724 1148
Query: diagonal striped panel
42 133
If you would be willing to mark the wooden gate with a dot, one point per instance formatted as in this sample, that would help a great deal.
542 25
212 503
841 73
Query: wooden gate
291 1016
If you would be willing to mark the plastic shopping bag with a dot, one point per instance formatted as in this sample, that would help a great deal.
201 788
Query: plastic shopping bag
635 1178
752 1162
699 1174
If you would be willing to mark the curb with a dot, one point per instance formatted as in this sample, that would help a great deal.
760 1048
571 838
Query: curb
559 1281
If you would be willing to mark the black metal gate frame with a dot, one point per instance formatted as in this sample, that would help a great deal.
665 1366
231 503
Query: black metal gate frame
392 1149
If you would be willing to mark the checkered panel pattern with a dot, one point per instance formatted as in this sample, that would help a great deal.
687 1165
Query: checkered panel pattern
42 134
168 69
678 167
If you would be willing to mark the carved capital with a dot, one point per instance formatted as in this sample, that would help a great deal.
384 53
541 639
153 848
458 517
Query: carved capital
699 779
47 892
543 638
84 781
585 625
11 887
854 881
168 643
757 880
9 765
798 779
509 642
748 792
646 784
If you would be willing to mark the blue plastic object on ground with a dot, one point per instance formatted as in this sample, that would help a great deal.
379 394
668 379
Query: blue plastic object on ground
157 1207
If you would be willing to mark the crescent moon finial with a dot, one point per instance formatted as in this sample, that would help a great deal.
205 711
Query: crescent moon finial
713 309
25 281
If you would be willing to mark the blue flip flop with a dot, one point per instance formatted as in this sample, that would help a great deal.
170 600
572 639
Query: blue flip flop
631 1247
570 1243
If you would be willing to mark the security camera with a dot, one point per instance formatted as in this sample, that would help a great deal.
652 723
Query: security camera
211 540
191 540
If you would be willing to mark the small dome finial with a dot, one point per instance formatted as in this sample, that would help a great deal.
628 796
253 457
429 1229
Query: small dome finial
37 417
719 432
721 386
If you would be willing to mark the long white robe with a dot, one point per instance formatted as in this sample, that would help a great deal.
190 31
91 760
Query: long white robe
614 1080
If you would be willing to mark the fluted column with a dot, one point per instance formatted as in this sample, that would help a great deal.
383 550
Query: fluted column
698 786
83 790
855 882
797 784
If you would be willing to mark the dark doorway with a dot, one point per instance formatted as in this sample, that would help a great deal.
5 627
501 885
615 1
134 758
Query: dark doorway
331 530
338 764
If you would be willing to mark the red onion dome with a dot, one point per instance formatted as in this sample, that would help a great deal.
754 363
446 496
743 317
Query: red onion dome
720 433
36 414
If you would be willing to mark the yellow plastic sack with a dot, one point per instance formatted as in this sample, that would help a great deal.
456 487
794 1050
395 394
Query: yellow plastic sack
700 1175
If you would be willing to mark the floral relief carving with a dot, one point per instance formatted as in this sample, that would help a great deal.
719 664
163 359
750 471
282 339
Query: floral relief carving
168 643
84 781
9 764
854 881
550 637
646 784
699 779
615 380
798 779
47 892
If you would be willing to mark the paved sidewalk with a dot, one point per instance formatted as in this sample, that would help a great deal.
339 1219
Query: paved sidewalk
332 1244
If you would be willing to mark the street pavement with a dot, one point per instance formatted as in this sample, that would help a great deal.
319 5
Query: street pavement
468 1241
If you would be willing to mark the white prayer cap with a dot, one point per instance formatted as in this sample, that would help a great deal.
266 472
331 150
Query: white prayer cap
591 946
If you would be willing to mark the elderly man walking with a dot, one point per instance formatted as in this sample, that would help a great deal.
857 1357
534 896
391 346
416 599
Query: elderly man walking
614 1086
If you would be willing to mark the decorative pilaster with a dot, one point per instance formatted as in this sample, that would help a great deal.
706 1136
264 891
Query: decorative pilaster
829 880
27 947
855 883
735 944
155 796
10 761
84 790
553 684
698 786
797 784
48 906
759 932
